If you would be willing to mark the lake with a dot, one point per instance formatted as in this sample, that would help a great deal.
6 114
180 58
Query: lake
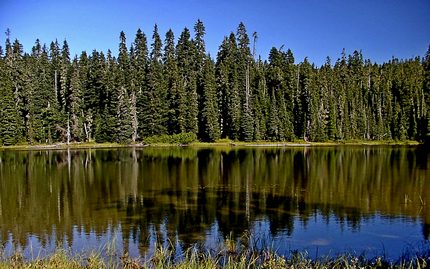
371 200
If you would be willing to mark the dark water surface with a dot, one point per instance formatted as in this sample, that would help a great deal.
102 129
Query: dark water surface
323 200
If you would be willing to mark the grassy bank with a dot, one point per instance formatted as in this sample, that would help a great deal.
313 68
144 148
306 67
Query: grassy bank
220 143
227 258
301 143
85 145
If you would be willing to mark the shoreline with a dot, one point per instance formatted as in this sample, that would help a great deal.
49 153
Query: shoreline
232 144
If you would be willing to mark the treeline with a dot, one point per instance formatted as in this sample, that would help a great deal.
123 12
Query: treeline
177 87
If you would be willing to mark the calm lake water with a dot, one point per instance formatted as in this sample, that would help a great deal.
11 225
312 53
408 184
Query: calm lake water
323 200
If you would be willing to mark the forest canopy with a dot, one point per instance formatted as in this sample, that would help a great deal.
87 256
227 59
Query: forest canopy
163 87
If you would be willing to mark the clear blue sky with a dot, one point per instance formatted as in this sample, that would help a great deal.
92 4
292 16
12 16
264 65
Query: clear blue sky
312 28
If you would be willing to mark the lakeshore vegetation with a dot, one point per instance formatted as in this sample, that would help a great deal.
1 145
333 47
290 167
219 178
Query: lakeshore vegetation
171 87
228 258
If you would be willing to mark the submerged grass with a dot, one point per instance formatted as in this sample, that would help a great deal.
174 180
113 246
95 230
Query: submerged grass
229 257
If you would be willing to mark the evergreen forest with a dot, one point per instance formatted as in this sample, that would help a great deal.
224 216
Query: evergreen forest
167 86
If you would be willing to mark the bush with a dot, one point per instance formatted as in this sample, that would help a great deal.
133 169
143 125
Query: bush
181 139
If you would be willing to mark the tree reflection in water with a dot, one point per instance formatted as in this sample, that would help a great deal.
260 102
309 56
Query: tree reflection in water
181 197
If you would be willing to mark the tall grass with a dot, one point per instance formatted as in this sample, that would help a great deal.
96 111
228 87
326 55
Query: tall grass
162 258
232 255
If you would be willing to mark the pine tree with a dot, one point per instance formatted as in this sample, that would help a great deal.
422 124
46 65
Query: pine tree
200 46
64 80
200 65
139 65
126 113
9 116
123 62
289 86
304 100
228 88
105 117
414 77
55 61
377 106
328 114
341 75
175 93
124 117
45 97
188 80
95 93
273 122
319 112
210 115
277 82
16 78
426 93
154 105
260 103
76 103
31 70
28 90
54 119
244 59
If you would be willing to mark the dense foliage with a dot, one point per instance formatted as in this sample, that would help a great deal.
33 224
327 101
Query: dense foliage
168 88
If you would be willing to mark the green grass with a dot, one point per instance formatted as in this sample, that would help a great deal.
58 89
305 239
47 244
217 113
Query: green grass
227 142
187 140
65 146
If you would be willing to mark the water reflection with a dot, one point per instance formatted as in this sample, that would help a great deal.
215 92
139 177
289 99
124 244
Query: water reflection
334 198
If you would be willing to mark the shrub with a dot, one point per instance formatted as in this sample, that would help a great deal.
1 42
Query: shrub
181 139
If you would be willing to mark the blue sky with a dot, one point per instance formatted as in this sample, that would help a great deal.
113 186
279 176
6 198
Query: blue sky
312 28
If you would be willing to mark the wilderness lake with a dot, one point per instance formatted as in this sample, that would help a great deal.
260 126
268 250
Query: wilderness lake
371 200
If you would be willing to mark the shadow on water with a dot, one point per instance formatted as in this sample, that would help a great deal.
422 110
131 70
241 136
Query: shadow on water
184 196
